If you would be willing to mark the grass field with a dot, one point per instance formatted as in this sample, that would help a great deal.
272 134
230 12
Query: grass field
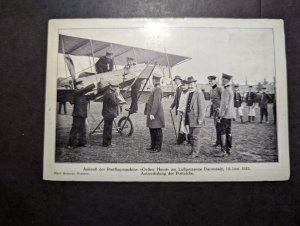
252 142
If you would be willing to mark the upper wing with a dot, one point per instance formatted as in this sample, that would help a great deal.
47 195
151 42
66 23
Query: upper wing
86 47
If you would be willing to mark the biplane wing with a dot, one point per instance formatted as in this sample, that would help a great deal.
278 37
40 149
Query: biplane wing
93 48
145 59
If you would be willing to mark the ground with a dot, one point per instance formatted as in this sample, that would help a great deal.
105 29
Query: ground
252 142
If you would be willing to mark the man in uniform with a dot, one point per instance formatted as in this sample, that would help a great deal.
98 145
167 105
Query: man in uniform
238 110
215 97
105 63
263 100
226 114
110 111
195 112
250 102
79 114
155 115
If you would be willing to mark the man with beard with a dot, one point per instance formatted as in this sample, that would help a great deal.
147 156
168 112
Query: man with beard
215 97
183 130
195 112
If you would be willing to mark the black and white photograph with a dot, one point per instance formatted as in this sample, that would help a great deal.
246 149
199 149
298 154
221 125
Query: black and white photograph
166 100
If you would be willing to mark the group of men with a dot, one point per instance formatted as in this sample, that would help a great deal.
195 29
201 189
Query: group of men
189 104
190 109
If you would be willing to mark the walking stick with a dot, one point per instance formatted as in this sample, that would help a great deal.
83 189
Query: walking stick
173 124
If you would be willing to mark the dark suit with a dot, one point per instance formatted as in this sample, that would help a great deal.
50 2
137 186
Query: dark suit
155 108
79 115
263 100
175 102
109 112
104 64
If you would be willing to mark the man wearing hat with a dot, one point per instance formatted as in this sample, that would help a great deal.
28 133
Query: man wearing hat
155 115
263 100
226 114
215 97
250 102
195 112
105 63
110 111
135 87
175 102
183 130
80 101
238 103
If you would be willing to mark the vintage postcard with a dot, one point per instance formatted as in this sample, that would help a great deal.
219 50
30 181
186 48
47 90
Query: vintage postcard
175 99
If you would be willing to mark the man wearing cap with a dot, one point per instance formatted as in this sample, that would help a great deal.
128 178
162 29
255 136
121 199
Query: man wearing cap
226 114
183 130
110 111
195 112
155 115
80 101
105 63
215 97
263 100
135 87
238 103
250 102
175 102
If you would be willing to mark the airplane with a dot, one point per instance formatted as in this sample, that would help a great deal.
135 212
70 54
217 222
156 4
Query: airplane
145 62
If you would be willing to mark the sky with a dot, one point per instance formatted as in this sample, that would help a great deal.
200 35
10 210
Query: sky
242 53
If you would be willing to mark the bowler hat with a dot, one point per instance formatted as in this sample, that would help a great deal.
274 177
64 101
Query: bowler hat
225 76
191 79
177 77
211 77
250 86
236 85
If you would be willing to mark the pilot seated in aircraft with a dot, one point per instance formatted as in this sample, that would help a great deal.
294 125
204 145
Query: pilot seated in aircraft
110 111
80 114
105 63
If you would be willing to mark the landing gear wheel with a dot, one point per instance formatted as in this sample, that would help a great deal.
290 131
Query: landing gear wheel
125 126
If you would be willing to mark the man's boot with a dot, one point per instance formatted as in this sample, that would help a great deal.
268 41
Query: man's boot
253 118
241 117
249 118
223 145
229 143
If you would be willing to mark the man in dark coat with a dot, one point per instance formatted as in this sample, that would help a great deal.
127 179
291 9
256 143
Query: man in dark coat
155 115
238 110
226 114
105 63
110 111
263 100
215 97
195 113
250 102
80 113
175 102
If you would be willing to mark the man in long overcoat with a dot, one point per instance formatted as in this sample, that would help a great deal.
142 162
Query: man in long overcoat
195 112
155 115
